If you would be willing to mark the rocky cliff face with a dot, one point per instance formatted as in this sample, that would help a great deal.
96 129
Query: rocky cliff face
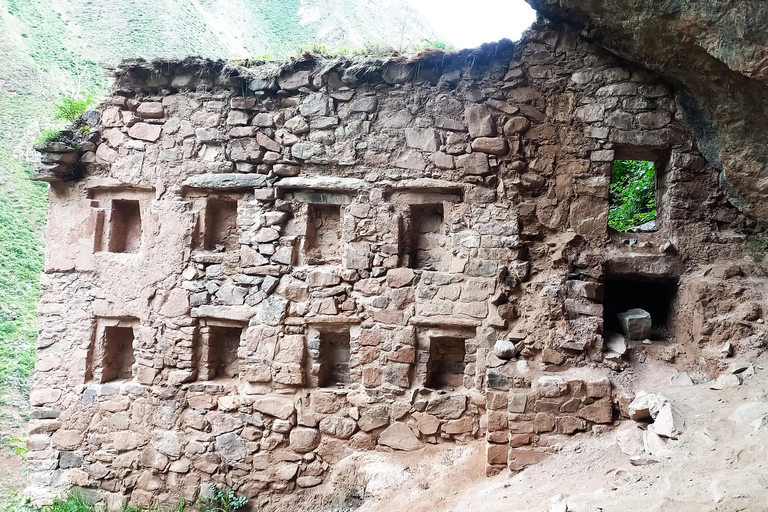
715 54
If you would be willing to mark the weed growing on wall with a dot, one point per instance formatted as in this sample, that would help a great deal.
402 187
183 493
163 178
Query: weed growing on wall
71 107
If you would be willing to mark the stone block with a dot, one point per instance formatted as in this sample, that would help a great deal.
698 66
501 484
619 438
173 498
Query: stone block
399 437
479 121
373 418
598 412
278 407
303 440
521 458
636 323
336 426
550 387
447 406
460 426
496 453
543 422
598 388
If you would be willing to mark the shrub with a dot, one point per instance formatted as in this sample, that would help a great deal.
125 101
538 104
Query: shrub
224 501
70 108
428 43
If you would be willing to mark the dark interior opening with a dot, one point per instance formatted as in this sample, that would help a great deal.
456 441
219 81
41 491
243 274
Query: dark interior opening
118 353
445 367
656 296
125 226
334 359
221 226
428 237
219 353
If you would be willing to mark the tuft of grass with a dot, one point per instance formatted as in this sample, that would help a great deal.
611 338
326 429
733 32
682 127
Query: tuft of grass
428 44
47 136
75 501
318 48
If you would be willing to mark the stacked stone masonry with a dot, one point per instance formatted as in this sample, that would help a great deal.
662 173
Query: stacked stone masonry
261 270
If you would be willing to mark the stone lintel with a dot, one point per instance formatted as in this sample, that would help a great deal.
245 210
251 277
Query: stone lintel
236 313
226 181
323 183
443 321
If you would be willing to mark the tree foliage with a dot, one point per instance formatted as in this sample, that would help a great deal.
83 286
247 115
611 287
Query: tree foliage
633 194
71 107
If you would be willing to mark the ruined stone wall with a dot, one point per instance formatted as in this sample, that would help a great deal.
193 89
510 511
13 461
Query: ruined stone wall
260 270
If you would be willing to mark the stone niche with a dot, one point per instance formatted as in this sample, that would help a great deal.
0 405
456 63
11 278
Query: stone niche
220 225
330 348
216 350
111 354
443 355
119 220
322 241
428 238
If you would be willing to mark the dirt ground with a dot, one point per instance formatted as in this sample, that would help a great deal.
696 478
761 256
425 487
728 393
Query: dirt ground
716 464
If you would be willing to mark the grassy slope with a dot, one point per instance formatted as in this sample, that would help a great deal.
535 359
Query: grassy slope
51 46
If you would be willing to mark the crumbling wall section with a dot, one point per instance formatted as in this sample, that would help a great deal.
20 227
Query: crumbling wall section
352 254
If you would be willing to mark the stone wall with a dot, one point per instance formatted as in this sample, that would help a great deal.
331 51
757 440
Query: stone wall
263 269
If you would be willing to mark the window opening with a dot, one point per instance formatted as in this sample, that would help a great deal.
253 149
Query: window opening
221 226
323 240
428 237
445 367
125 226
633 196
118 359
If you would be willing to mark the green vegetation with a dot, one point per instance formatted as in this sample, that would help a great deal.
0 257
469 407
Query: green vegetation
47 136
758 246
71 107
633 194
17 504
78 501
319 48
428 44
224 501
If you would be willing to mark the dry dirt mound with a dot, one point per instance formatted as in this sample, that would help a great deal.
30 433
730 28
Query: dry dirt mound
716 464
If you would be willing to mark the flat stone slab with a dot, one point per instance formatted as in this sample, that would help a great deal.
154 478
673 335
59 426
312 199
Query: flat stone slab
323 183
227 181
399 437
